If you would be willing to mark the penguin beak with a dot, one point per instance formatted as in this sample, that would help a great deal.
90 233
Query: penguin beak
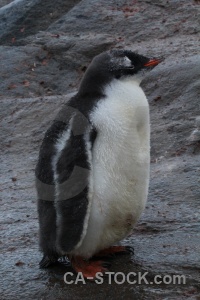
153 62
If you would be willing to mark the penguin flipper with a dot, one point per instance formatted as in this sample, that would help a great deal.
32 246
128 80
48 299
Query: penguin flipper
46 190
72 170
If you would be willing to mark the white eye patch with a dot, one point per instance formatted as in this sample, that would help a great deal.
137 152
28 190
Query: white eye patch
121 62
127 62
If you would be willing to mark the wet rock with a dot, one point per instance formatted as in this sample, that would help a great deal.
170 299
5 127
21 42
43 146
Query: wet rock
4 2
175 114
50 66
195 135
45 50
21 18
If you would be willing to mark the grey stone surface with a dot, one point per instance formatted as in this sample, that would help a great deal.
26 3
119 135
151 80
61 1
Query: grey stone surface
4 2
21 18
45 49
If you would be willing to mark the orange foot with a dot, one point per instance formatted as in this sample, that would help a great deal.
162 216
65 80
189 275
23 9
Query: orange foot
115 250
88 268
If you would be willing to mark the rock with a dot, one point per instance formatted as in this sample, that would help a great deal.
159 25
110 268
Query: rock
195 135
4 2
174 114
21 18
45 50
51 66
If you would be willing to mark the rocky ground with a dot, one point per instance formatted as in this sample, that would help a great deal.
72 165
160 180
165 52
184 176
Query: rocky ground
44 51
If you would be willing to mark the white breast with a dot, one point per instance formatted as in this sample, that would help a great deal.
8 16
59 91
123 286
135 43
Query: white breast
120 165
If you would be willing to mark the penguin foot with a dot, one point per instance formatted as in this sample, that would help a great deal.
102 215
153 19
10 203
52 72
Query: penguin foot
89 268
47 261
64 260
111 251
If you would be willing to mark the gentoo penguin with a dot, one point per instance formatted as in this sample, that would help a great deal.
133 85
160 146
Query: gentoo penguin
92 174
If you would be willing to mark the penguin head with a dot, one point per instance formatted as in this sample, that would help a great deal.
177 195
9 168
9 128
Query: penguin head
125 63
116 64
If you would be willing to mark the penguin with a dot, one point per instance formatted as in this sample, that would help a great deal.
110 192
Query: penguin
92 174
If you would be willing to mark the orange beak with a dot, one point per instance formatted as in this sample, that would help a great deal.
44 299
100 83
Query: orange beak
152 62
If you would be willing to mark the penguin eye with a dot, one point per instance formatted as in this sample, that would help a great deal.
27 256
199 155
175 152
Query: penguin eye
118 76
